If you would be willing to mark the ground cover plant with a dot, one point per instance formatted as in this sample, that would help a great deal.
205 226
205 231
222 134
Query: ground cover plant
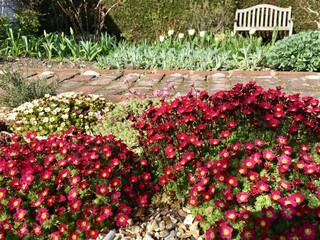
55 114
17 89
69 186
300 52
246 161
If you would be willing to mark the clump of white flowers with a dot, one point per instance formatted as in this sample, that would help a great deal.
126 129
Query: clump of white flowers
54 114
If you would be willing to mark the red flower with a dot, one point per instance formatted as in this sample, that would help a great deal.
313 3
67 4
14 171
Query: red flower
3 192
73 236
14 203
72 194
270 213
225 231
225 134
19 215
242 197
36 229
83 224
169 151
192 201
244 215
268 155
121 220
115 182
102 189
231 215
92 233
106 211
23 230
308 230
274 195
210 233
232 181
124 208
247 234
42 215
74 205
262 223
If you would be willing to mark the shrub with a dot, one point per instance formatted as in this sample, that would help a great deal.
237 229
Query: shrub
118 118
55 114
69 186
18 89
300 52
246 160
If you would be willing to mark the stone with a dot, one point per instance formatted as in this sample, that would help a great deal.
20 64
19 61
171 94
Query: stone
91 73
170 226
151 227
173 219
148 237
111 234
182 213
188 220
162 225
218 75
164 233
47 74
313 77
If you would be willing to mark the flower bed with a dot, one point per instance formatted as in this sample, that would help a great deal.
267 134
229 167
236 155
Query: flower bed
69 186
245 161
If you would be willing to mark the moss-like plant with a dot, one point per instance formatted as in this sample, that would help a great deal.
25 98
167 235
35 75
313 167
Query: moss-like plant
18 89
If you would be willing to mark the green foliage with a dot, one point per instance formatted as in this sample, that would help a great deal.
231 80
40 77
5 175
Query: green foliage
55 114
18 89
192 52
118 119
300 52
27 21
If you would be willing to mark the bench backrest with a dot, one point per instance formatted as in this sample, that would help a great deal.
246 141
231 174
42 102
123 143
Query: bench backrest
263 17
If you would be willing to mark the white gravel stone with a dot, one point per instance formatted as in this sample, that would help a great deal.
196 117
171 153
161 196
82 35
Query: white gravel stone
47 74
188 220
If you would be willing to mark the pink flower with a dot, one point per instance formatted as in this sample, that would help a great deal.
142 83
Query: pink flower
210 233
19 215
83 224
102 189
23 230
225 231
42 215
3 192
121 220
14 203
242 197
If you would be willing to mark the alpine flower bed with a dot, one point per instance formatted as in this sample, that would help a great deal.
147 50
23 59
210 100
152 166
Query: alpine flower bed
247 161
69 186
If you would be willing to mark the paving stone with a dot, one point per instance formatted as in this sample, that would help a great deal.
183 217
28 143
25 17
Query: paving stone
218 75
102 81
195 78
47 74
82 78
129 78
87 89
69 86
91 73
66 75
313 77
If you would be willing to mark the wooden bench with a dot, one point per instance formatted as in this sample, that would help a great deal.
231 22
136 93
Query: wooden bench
263 17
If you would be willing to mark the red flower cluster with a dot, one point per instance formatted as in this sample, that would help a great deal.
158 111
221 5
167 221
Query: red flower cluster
69 186
251 153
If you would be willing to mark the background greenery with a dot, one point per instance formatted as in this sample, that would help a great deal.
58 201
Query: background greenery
139 19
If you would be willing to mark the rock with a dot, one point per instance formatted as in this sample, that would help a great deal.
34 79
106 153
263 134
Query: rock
162 225
91 73
111 234
173 219
195 233
151 227
186 210
194 226
101 236
164 233
182 213
148 237
188 220
172 235
218 75
313 77
136 229
170 226
47 74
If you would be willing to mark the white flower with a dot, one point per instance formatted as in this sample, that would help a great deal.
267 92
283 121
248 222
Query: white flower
180 35
202 33
252 31
63 124
66 110
40 109
45 119
57 110
47 95
52 119
65 116
191 32
41 113
80 116
161 38
170 32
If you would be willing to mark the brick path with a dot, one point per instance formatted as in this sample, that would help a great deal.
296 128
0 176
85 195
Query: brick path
116 85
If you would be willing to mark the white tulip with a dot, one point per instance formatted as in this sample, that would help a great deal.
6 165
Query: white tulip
161 38
191 32
202 33
180 35
252 31
170 32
